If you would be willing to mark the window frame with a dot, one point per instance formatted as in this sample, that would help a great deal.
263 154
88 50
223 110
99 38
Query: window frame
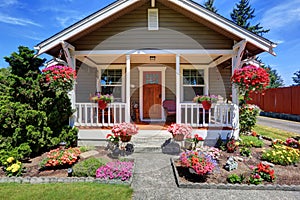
182 85
122 85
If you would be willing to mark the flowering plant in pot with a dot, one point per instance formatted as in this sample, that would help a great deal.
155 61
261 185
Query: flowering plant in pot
194 142
103 100
206 100
180 131
199 163
125 131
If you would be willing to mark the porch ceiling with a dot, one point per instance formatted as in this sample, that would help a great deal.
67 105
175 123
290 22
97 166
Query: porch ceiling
97 60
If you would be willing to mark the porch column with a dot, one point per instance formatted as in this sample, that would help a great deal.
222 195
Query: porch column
127 106
178 110
238 50
71 60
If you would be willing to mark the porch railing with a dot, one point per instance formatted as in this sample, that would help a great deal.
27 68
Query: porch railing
220 115
88 114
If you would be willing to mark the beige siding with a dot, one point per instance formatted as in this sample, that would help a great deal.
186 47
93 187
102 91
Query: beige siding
134 81
176 32
219 81
86 84
171 82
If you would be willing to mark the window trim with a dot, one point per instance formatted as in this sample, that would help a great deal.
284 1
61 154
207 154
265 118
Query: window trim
195 67
122 67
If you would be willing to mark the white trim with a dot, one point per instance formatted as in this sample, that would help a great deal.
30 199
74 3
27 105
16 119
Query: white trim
178 109
206 78
152 3
127 106
154 51
163 89
83 25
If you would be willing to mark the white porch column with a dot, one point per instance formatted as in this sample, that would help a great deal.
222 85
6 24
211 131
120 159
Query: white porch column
71 60
178 110
127 106
238 50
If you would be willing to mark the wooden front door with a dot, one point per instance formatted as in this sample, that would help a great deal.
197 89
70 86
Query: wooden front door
152 101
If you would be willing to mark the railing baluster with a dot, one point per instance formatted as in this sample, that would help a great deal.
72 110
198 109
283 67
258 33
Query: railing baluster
192 114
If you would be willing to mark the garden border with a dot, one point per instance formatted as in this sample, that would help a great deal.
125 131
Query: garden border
45 179
180 184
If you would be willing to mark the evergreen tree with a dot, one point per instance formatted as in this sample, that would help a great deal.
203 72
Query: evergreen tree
209 4
275 79
242 14
296 78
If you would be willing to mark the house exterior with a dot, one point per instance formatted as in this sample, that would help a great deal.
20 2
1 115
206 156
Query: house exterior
148 51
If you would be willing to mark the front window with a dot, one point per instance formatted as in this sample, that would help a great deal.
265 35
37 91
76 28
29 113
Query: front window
192 83
111 83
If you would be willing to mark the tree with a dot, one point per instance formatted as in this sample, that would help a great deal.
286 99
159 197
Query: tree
209 4
296 78
275 79
242 14
24 61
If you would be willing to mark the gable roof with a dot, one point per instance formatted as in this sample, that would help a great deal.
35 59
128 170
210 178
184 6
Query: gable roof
187 7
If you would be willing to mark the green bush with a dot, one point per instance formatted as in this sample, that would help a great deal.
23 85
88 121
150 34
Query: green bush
88 167
248 114
234 178
244 151
251 141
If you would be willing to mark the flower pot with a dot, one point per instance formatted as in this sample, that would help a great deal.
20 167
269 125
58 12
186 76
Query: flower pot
178 137
199 144
188 144
206 105
102 104
125 138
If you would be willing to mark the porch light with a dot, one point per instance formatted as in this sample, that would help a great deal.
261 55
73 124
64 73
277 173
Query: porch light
152 58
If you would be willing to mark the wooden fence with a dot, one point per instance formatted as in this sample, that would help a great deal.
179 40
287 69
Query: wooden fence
279 100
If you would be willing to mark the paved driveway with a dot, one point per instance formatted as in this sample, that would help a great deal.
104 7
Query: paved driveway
285 125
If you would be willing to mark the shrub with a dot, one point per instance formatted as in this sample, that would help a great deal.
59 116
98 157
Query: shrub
282 155
247 117
234 178
244 151
88 167
251 141
115 170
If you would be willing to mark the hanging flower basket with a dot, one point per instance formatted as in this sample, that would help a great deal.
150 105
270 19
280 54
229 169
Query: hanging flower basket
206 105
102 104
125 138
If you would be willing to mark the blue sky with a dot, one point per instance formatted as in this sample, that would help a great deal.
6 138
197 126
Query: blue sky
29 22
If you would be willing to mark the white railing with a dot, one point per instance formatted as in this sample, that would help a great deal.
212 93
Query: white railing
219 115
88 114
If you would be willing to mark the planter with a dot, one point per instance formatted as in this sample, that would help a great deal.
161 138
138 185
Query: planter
178 137
188 144
200 144
102 104
125 138
206 105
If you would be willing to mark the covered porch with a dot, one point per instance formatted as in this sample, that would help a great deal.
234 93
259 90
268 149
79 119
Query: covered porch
146 78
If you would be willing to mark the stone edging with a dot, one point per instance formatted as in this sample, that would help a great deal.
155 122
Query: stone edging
180 184
44 179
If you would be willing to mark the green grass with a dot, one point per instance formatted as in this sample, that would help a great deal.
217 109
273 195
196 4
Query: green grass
14 191
272 132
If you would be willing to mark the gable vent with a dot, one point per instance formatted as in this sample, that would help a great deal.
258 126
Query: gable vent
152 19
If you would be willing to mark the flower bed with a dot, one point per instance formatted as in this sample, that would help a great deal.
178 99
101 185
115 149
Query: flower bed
277 177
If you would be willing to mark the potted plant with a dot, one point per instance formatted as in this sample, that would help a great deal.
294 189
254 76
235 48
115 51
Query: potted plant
179 131
125 131
103 100
232 145
206 100
193 142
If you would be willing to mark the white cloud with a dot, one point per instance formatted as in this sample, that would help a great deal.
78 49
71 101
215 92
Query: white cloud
6 3
67 21
17 21
281 15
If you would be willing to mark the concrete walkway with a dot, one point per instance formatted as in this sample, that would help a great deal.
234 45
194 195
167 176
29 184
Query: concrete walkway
154 179
281 124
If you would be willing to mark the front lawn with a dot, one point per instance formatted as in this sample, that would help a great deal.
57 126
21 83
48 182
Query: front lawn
64 191
272 132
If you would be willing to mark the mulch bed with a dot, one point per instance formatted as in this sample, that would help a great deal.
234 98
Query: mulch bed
288 175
